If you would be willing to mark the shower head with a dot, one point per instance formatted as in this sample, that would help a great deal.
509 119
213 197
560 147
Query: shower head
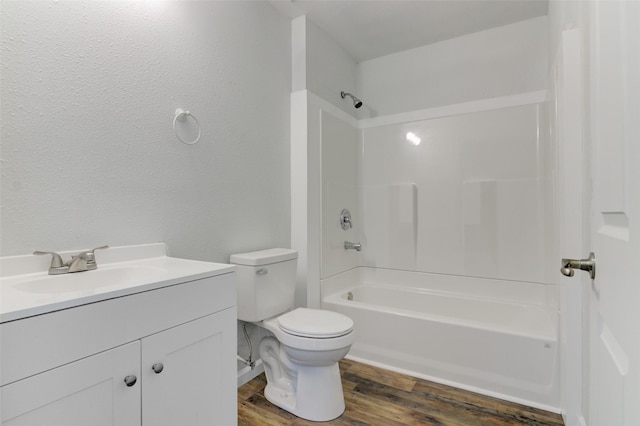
356 102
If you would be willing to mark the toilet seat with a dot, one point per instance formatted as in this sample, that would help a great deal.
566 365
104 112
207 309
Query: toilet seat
315 323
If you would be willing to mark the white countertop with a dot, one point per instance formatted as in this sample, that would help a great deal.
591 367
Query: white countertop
26 289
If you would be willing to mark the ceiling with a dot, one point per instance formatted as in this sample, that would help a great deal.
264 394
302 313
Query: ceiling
370 28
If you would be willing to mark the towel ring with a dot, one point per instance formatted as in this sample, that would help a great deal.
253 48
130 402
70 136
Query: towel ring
182 116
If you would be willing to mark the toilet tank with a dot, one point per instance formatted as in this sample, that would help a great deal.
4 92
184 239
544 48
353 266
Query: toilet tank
266 282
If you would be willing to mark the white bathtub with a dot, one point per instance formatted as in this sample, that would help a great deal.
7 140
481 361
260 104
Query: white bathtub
494 337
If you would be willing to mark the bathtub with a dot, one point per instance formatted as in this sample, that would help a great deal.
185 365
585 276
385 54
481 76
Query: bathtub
494 337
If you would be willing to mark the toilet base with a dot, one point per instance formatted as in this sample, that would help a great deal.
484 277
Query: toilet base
310 392
318 394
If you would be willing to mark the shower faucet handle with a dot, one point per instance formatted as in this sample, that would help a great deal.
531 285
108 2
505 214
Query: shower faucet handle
345 219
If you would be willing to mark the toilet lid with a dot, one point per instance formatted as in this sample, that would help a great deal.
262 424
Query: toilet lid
315 323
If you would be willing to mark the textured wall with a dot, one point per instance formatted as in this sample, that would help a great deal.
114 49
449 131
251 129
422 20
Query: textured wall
321 65
89 156
330 69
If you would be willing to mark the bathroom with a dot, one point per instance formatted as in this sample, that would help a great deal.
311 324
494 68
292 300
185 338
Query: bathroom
89 155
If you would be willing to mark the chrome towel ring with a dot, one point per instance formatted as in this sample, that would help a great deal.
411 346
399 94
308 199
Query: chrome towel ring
181 115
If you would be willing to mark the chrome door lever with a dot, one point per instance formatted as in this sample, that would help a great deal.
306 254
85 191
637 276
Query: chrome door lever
589 265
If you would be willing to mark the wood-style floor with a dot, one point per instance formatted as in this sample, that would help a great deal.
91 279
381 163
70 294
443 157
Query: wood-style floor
379 397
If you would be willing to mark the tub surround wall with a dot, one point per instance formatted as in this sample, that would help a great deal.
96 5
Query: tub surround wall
497 53
466 201
339 191
89 156
313 119
495 187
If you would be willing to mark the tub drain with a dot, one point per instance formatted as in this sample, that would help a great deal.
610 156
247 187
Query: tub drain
349 296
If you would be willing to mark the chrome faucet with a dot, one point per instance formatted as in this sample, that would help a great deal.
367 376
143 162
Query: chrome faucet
348 245
84 261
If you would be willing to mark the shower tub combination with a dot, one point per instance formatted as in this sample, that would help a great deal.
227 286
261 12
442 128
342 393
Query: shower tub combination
494 337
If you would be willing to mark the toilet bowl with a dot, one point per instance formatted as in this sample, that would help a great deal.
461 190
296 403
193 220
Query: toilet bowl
301 358
302 372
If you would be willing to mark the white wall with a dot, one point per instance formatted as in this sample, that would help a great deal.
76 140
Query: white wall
492 63
89 157
321 65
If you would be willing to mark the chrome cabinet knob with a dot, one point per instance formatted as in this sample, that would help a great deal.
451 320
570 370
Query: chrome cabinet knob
157 367
130 380
589 265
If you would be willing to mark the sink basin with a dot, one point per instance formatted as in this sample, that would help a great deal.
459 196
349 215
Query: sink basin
90 280
26 290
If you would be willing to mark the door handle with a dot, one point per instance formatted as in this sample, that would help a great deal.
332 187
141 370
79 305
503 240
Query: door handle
589 265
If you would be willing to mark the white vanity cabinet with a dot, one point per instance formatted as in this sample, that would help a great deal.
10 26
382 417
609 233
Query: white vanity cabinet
90 391
175 345
191 364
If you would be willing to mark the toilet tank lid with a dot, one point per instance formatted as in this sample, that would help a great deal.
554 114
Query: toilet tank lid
263 257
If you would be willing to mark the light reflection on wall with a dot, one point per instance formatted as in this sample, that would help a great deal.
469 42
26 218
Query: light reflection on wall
413 139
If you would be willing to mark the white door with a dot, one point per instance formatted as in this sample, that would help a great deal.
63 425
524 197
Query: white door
567 126
189 373
614 130
91 391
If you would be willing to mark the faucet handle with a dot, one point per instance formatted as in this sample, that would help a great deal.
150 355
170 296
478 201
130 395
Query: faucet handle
89 253
56 259
97 248
90 257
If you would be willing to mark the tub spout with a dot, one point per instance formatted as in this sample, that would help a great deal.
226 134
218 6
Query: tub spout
348 245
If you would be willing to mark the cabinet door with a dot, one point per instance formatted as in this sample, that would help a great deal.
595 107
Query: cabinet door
197 385
90 391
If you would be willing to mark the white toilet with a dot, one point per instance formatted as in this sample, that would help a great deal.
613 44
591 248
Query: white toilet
301 362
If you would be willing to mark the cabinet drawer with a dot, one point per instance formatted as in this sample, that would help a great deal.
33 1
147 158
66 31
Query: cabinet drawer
40 343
